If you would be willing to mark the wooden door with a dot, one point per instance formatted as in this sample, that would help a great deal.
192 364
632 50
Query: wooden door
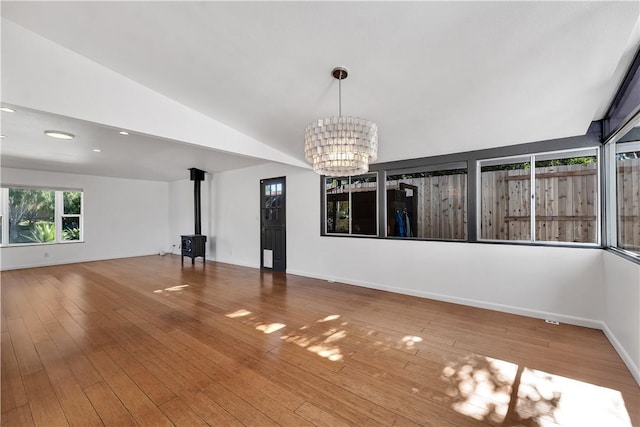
273 237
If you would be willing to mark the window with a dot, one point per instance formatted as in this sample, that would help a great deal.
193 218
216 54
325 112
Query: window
628 195
562 205
31 215
624 189
352 205
428 203
37 215
71 214
505 201
541 192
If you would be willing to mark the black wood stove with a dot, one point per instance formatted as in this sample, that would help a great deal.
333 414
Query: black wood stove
195 245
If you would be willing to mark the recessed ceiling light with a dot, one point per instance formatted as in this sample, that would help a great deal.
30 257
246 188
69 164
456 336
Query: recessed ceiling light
97 150
122 132
3 136
7 110
59 134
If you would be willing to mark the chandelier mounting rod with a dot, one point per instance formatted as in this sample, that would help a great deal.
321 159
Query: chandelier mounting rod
339 73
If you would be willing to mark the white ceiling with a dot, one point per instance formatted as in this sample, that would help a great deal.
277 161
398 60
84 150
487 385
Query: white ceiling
133 156
437 77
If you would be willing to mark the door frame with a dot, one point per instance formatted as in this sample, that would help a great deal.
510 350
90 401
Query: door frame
263 182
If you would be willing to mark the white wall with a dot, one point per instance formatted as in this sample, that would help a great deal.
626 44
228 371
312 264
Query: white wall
181 215
122 218
565 284
622 311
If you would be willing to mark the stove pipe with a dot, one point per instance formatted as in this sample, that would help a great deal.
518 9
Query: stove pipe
197 176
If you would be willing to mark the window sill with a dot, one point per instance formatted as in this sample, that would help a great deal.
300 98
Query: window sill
629 256
21 245
485 242
543 244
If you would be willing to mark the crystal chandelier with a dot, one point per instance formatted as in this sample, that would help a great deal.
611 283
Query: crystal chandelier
341 146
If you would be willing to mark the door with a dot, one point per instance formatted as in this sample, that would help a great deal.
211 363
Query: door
273 238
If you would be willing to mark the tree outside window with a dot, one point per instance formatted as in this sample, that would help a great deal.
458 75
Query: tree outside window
31 215
40 215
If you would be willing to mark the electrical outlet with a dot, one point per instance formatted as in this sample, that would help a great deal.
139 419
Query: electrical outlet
46 254
552 322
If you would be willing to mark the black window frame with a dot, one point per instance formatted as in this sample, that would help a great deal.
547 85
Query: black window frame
590 140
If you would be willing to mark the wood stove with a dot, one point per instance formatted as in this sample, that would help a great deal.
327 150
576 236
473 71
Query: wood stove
195 245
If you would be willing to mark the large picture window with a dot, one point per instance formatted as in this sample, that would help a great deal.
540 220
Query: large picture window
352 205
556 200
429 203
40 215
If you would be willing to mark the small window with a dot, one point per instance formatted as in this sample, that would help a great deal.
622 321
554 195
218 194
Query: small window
71 215
556 201
428 204
351 205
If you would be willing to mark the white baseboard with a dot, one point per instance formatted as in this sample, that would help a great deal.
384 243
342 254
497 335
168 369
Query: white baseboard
71 261
631 364
572 320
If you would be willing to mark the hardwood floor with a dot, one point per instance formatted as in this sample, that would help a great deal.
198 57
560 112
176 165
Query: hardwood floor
146 341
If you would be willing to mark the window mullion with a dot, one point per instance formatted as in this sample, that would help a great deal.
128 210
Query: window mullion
350 206
5 215
532 207
58 211
611 210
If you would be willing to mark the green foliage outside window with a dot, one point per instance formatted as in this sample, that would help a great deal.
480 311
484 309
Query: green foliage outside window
42 232
31 215
72 202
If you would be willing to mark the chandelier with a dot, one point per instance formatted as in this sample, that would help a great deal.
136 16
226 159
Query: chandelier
341 146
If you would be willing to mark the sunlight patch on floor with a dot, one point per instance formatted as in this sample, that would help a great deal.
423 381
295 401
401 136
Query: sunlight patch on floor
270 328
497 391
481 387
321 343
329 318
238 313
171 289
578 403
331 353
336 336
409 341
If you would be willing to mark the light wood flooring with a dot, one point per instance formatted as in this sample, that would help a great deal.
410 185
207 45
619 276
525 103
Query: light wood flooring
147 341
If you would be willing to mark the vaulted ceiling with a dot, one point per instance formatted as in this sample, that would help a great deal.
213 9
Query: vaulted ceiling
222 85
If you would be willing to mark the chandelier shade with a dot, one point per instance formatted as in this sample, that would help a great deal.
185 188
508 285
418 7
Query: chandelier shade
341 146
